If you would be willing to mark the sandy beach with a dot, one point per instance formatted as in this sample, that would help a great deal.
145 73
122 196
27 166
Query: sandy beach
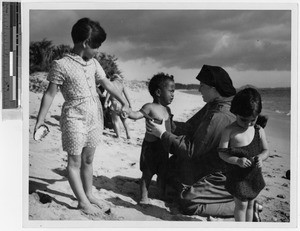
116 168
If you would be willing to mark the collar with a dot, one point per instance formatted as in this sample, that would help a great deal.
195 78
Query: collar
79 59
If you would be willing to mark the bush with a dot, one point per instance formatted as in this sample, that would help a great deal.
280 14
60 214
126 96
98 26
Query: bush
38 82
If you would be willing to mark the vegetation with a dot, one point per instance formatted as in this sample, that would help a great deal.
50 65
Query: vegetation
42 53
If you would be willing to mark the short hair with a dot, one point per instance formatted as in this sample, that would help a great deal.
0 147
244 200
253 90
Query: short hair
87 29
246 102
158 81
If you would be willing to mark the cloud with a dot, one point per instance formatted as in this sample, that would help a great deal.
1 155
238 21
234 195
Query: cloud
187 39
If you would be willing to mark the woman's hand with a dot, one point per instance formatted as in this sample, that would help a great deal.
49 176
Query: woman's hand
244 162
155 129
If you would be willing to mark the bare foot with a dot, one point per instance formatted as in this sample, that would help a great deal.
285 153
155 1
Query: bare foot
97 202
89 209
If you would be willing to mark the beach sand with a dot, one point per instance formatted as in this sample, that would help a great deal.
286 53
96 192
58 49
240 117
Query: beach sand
117 174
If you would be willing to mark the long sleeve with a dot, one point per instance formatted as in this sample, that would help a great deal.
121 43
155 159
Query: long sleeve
189 127
183 145
205 135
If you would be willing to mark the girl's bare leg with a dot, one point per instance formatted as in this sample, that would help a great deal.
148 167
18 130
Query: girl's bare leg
124 121
87 174
249 212
115 121
240 210
74 165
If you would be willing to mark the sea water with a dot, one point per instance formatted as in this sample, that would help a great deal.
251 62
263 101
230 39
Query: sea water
274 99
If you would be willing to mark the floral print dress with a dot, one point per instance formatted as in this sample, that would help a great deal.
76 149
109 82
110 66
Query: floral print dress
82 116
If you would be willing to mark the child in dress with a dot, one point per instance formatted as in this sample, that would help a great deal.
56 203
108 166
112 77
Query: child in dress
153 159
77 74
244 147
115 106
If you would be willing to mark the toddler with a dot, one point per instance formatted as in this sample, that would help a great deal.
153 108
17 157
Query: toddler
154 158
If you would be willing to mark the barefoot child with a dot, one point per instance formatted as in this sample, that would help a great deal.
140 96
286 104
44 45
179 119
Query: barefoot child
115 106
244 147
154 158
81 123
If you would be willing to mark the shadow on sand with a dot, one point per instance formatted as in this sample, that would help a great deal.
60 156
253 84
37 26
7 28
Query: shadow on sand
129 187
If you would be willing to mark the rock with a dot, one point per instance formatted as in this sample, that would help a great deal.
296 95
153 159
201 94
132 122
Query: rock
274 219
281 196
44 198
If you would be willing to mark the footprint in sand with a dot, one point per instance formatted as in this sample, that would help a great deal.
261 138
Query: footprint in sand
281 196
270 176
273 156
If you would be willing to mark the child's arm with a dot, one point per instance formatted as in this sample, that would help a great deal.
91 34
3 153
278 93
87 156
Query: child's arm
45 104
224 142
265 149
136 115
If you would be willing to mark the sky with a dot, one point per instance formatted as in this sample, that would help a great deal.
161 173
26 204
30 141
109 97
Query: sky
253 46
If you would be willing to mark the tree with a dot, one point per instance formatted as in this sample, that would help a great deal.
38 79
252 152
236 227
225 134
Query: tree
108 63
41 55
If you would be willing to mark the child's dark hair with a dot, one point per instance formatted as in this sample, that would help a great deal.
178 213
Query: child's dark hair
158 81
86 29
246 102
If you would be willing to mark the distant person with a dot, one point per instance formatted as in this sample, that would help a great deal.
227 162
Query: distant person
154 157
195 171
81 123
116 107
106 112
244 147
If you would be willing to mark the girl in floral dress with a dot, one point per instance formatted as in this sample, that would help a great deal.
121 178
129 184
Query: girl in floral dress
77 74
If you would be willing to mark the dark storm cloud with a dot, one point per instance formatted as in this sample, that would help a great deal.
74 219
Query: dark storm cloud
245 40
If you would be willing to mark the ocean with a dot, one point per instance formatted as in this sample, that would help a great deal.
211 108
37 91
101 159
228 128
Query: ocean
274 99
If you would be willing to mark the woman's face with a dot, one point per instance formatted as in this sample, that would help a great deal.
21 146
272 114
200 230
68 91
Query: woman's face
207 92
167 93
246 122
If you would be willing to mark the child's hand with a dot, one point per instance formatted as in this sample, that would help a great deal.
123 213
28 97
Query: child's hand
258 162
244 162
125 111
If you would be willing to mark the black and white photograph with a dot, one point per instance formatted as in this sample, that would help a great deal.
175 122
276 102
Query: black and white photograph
170 115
